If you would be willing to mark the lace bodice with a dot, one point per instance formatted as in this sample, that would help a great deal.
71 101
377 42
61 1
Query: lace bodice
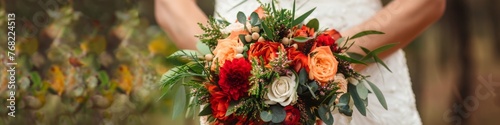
341 15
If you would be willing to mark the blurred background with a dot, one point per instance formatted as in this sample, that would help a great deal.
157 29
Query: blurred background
99 61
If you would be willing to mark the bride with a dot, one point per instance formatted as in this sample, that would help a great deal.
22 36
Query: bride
401 20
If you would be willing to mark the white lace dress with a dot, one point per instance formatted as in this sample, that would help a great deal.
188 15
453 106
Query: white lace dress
341 15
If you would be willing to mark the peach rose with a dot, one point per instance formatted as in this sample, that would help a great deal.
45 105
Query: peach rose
226 49
322 65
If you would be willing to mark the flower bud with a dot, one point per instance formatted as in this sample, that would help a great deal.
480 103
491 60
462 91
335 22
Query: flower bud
239 49
209 57
255 29
261 39
295 46
255 36
238 56
285 41
248 38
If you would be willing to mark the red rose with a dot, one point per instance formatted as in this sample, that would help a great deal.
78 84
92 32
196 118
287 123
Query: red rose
292 116
266 50
234 77
326 40
299 60
219 102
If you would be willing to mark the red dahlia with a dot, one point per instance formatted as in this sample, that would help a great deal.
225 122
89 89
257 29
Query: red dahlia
219 102
234 78
292 116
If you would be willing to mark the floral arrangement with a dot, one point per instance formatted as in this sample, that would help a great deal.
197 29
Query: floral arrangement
269 67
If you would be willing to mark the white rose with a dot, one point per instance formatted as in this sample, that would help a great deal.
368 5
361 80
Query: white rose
283 91
235 27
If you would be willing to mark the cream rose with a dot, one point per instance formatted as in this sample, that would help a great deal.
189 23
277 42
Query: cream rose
235 27
283 91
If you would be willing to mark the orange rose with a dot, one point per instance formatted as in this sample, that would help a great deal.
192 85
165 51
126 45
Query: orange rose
299 60
322 65
304 31
226 48
268 51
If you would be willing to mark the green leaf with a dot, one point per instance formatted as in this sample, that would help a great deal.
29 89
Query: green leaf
293 14
348 59
180 102
362 90
183 53
379 61
314 23
340 40
207 110
268 31
314 86
254 18
367 51
203 48
301 39
301 18
232 108
37 80
266 116
346 110
383 48
278 113
356 99
344 99
325 115
303 76
364 33
103 76
242 18
378 93
358 56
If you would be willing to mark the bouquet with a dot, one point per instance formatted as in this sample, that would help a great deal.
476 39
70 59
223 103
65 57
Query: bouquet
270 67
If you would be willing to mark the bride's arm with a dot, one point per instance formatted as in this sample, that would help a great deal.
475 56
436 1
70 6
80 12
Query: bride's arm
401 20
179 19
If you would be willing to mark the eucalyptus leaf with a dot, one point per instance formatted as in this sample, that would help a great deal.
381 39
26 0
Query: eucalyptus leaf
207 110
362 90
278 113
356 99
301 39
303 76
180 102
344 99
203 48
378 93
314 23
325 115
184 53
266 116
254 18
301 18
364 33
346 110
242 18
314 86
